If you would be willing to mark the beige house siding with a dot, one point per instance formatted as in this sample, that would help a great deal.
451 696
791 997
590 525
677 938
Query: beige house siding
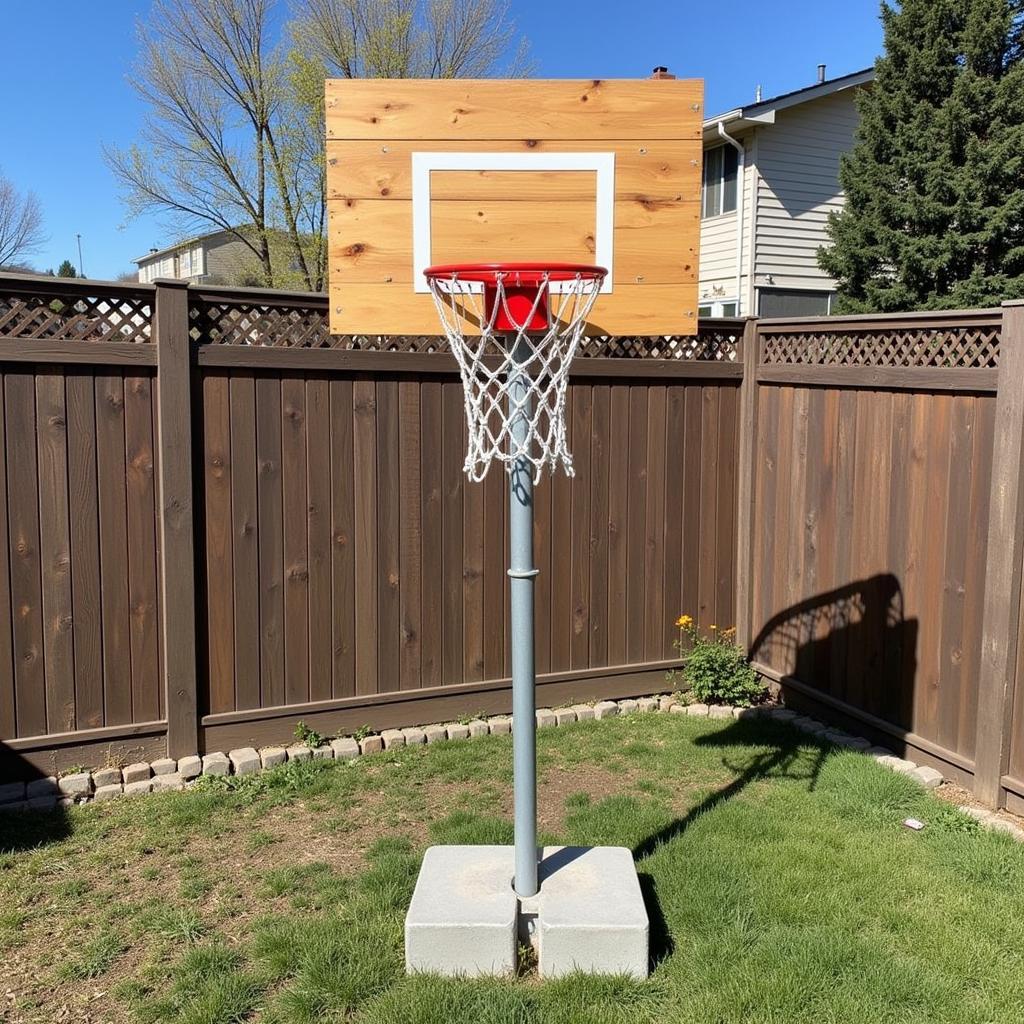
227 259
791 185
222 257
797 188
717 279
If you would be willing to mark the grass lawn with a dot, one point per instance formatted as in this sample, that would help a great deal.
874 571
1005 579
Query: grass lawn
781 886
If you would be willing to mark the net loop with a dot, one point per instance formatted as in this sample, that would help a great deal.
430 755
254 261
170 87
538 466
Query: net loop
512 370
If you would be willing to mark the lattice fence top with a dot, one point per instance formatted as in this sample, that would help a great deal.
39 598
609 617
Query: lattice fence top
231 322
73 316
969 346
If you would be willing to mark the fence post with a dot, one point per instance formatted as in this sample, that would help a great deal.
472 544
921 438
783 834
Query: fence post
745 485
177 556
1003 565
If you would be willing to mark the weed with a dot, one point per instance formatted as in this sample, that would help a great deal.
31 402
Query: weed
308 737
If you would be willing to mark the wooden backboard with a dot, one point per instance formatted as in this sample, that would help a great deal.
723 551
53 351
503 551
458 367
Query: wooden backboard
442 171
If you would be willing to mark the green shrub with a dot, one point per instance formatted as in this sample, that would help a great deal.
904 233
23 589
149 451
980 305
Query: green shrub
714 669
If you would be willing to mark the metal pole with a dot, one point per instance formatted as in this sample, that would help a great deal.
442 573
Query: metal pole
522 573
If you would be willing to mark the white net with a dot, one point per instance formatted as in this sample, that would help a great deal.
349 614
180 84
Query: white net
511 372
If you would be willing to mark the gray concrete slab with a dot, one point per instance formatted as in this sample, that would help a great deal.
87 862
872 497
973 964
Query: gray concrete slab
462 919
591 913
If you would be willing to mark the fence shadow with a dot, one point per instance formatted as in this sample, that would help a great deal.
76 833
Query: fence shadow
852 643
27 828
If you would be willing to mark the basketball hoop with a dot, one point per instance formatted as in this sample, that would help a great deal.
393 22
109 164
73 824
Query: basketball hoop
530 318
515 372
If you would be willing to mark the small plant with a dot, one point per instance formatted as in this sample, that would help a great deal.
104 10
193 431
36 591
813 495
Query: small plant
361 733
714 668
308 737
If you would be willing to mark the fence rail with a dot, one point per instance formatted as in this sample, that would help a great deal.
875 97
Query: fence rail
216 519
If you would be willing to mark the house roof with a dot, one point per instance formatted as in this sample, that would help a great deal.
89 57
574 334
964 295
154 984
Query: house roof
763 112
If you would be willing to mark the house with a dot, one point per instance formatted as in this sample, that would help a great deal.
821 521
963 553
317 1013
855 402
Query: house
773 166
218 257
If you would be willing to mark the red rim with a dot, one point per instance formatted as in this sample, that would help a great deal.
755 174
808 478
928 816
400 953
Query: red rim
516 273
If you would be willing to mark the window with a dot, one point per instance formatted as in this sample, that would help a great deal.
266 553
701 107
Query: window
197 261
719 307
793 302
185 263
719 195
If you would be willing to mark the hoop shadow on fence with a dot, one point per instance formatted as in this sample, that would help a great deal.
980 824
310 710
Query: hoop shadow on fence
851 643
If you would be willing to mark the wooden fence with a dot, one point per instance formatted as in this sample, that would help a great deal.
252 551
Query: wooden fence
220 520
315 552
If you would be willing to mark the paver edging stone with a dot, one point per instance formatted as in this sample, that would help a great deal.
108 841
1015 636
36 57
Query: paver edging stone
166 774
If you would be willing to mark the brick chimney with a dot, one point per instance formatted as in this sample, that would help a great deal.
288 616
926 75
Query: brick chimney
662 72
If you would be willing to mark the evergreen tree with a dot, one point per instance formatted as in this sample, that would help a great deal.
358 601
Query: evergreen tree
934 214
67 269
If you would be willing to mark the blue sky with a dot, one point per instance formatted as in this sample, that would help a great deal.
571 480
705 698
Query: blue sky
72 95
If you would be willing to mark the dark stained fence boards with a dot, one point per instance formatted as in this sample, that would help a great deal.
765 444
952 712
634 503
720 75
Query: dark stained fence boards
870 523
215 519
79 562
382 570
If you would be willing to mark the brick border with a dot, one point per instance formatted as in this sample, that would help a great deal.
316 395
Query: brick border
166 774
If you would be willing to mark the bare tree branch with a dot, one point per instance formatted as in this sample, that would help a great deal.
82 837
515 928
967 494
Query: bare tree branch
21 223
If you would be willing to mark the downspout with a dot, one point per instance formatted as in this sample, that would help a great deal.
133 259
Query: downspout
740 196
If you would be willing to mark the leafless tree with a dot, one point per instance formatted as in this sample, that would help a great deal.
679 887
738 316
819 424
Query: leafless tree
386 39
21 223
411 38
234 136
210 156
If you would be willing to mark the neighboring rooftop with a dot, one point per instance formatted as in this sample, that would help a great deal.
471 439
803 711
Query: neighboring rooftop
762 111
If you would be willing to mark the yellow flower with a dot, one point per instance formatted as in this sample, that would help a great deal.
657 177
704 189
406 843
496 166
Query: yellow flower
683 621
712 627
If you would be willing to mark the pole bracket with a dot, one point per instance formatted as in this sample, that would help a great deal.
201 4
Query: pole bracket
523 574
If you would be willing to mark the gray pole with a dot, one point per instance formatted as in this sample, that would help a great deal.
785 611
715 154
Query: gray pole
522 573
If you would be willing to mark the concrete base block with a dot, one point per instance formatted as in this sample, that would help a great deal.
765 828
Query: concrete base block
462 919
591 913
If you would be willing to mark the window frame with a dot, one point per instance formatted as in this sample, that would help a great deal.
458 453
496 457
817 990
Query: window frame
717 308
721 156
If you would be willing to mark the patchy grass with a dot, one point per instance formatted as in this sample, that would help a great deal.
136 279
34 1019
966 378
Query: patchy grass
781 886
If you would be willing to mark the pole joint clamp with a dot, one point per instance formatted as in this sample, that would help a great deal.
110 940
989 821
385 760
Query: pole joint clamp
523 574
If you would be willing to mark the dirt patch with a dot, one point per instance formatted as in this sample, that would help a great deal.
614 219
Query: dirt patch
220 879
954 794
